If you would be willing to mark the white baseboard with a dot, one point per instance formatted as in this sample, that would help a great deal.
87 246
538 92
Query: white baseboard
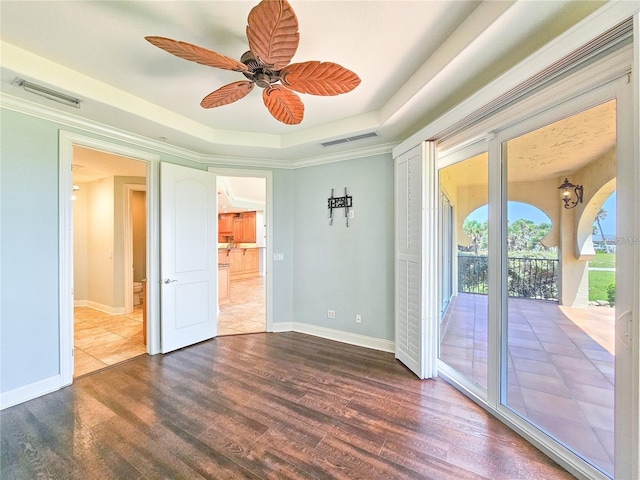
100 307
29 392
344 337
283 327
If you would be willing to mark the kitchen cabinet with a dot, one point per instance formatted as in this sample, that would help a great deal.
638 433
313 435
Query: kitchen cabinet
239 227
225 226
243 262
236 259
251 261
223 284
238 223
249 227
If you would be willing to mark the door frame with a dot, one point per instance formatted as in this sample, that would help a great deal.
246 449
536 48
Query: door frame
524 120
268 176
67 140
127 230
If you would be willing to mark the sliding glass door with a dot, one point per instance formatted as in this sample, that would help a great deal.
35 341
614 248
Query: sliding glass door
532 324
559 330
463 256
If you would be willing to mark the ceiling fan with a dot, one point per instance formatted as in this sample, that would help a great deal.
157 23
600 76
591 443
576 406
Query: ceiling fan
273 36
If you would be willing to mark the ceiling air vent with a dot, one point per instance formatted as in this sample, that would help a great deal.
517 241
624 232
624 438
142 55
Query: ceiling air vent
354 138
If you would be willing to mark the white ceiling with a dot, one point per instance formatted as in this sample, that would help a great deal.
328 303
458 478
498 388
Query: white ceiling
416 59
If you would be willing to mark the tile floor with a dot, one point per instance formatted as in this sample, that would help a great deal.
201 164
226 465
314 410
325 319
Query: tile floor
246 310
560 366
101 339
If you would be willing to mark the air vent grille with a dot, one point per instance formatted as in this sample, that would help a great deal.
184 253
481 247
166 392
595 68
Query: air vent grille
354 138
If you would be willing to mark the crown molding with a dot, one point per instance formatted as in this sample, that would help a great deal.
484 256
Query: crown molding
347 155
70 120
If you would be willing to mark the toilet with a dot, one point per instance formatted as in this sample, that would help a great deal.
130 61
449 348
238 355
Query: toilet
137 290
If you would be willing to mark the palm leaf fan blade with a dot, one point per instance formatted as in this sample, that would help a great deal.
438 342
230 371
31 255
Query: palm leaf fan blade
283 104
319 78
193 53
272 32
228 94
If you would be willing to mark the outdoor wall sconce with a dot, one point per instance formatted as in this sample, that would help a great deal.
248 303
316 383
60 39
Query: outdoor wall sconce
568 192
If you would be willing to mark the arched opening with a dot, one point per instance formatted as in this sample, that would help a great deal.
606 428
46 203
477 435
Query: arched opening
533 266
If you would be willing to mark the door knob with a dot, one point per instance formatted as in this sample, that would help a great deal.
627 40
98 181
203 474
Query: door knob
167 281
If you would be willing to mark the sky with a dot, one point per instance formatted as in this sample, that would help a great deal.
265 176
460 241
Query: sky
517 210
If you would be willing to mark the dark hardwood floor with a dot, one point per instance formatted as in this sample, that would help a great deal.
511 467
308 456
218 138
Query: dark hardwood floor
283 405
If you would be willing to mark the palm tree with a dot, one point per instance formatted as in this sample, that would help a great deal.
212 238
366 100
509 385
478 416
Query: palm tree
475 231
601 215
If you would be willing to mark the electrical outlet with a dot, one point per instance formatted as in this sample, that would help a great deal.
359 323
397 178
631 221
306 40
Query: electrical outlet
358 318
278 257
331 314
352 214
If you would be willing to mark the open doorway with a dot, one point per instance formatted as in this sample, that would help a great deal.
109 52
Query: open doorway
242 246
109 259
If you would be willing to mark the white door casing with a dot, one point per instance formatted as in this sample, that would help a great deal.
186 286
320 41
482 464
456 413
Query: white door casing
188 253
415 268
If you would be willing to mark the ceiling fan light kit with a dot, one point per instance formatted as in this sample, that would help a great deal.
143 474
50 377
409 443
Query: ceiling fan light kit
272 32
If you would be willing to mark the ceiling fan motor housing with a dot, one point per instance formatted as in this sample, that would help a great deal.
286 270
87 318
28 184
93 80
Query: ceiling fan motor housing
257 72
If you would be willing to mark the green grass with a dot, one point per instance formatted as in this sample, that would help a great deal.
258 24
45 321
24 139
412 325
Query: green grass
603 260
598 283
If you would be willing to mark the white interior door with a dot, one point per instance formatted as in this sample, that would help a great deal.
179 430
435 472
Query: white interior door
188 250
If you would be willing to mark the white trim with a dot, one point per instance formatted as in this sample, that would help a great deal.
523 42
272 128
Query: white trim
268 176
280 327
29 391
69 120
344 337
100 307
67 141
599 22
348 155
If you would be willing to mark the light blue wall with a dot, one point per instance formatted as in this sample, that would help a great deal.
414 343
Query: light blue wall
349 270
29 324
283 228
29 250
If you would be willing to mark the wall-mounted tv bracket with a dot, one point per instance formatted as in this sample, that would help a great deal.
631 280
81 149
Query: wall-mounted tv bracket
345 202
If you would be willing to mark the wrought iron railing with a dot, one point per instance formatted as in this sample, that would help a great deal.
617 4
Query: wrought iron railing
527 278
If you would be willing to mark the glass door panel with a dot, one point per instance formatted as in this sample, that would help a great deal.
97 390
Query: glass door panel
559 279
463 267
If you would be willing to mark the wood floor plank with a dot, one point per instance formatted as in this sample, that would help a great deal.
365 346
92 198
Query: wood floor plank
262 406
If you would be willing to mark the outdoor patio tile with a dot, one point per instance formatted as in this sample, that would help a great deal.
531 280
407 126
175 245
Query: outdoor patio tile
587 343
566 350
574 376
557 339
457 341
606 438
479 373
515 400
576 435
561 378
529 353
549 403
596 395
534 366
520 326
600 355
598 416
524 343
522 334
606 368
543 383
562 361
